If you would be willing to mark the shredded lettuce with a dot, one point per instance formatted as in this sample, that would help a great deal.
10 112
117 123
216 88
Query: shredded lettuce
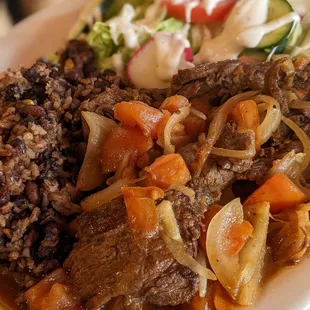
117 5
100 40
171 25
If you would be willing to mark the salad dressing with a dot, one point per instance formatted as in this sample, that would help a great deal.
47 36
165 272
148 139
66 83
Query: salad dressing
242 29
170 55
210 5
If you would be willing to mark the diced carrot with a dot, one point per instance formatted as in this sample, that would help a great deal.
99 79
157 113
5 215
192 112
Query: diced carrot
141 210
178 130
247 117
194 125
167 170
237 236
174 103
208 216
119 142
222 300
136 113
199 303
60 297
35 294
279 191
151 192
248 60
202 105
246 114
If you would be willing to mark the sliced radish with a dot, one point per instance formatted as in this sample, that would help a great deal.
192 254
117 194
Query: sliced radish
142 68
189 56
154 64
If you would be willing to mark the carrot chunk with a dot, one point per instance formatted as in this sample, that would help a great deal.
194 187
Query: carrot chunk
52 293
136 113
174 103
140 204
279 191
237 236
167 170
121 141
222 300
247 117
194 125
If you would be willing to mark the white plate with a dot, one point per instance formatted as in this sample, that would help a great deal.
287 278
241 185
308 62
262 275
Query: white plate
43 34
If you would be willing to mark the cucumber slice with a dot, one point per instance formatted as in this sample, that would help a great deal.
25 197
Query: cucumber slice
254 54
276 9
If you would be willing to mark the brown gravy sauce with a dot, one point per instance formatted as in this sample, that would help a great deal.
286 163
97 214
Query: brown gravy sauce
9 289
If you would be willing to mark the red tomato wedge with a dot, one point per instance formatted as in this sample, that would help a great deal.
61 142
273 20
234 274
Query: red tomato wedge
199 14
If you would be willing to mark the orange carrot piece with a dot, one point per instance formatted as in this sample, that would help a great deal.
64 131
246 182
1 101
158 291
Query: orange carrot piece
35 294
208 216
194 125
248 60
177 131
247 117
151 192
136 113
222 300
174 103
121 141
237 236
199 303
167 170
60 297
279 191
141 210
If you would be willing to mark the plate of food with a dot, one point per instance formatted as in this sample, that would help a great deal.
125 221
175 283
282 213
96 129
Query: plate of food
154 155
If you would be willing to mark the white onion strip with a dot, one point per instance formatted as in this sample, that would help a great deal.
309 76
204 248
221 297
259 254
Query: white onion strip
203 282
215 129
249 153
172 238
107 195
302 136
272 119
175 119
198 113
183 189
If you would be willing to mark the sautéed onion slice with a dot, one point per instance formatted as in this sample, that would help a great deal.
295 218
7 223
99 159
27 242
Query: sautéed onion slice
215 129
172 238
249 153
302 136
175 119
272 119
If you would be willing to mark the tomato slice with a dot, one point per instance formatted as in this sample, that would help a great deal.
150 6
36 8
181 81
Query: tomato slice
199 14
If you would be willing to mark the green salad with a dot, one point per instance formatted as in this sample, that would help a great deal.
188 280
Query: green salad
149 41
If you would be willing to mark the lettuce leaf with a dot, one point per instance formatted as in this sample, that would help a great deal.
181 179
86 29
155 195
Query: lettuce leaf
100 40
171 25
117 5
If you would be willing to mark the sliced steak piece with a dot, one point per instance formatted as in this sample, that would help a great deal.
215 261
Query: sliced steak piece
110 261
219 78
230 77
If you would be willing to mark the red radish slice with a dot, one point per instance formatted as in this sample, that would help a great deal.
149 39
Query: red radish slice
189 56
147 67
142 68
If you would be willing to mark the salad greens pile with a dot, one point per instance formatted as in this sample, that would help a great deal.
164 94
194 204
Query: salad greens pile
143 19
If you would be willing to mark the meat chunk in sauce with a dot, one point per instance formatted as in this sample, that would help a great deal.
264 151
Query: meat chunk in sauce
111 261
